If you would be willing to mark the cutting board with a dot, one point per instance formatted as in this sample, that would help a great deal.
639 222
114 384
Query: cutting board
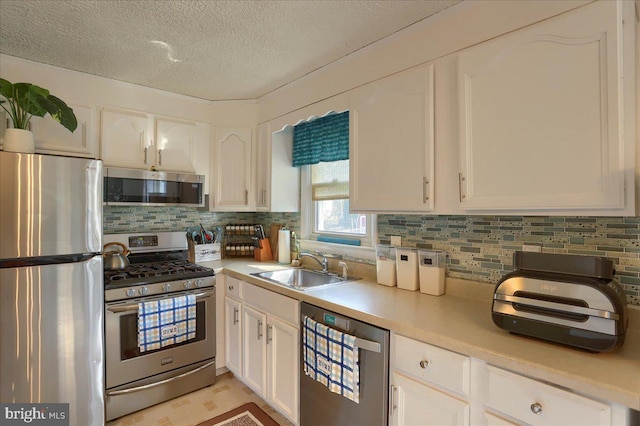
273 238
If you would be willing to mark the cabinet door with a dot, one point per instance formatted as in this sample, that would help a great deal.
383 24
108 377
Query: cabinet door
391 137
232 159
233 335
282 356
277 181
123 140
263 168
254 350
175 145
417 404
52 138
539 116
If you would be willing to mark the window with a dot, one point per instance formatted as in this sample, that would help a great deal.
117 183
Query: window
330 196
321 149
325 206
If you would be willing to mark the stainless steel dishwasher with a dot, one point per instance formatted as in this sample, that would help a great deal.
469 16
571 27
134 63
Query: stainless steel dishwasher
319 406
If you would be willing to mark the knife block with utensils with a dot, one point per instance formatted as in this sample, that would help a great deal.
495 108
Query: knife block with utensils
263 253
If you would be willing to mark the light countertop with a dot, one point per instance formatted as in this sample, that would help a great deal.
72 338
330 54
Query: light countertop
461 321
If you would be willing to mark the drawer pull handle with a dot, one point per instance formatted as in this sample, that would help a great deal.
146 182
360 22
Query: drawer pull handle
230 287
424 364
536 408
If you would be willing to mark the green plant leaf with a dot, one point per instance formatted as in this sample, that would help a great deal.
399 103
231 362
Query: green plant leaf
26 100
6 88
31 98
61 112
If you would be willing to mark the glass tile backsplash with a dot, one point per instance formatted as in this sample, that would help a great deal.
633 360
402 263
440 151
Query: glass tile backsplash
479 248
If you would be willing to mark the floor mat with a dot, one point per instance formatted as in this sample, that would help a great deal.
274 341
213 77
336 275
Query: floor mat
246 415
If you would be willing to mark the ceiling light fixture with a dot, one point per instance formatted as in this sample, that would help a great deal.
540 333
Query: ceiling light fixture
168 48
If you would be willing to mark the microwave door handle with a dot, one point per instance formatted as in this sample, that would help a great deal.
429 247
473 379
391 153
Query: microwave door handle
134 307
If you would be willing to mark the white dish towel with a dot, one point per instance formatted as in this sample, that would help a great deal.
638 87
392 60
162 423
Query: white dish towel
331 358
166 322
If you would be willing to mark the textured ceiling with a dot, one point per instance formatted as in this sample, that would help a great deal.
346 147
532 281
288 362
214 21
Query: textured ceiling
216 50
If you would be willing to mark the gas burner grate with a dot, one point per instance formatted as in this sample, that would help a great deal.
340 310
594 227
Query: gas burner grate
137 273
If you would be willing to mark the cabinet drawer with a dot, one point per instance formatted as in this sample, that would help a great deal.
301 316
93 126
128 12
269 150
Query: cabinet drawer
436 365
540 404
233 287
272 303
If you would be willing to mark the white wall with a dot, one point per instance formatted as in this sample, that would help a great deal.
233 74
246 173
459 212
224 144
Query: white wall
86 88
456 28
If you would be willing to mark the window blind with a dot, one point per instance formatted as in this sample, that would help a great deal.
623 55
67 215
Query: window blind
323 139
330 181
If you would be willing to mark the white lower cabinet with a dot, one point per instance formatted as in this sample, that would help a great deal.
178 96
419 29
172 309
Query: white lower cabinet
262 343
254 350
415 403
434 386
429 385
233 335
282 366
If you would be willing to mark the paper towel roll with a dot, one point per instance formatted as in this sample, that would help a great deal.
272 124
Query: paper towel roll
284 246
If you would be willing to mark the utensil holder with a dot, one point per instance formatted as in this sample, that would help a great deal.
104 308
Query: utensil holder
263 254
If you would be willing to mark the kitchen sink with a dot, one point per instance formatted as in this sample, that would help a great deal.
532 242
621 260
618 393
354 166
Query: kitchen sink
302 279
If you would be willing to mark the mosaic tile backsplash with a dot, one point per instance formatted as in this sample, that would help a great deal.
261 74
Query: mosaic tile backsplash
479 248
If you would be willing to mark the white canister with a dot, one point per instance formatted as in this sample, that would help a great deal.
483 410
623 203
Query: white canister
407 268
386 265
284 246
432 271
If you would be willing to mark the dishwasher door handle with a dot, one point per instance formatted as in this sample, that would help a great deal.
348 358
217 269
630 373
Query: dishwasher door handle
368 345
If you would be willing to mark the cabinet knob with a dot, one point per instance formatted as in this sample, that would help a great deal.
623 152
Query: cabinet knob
536 408
424 364
230 288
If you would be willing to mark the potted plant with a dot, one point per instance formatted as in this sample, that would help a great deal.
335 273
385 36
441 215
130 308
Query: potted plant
25 100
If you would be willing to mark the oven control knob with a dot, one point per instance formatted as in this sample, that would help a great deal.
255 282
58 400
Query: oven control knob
131 292
198 283
188 284
166 287
143 291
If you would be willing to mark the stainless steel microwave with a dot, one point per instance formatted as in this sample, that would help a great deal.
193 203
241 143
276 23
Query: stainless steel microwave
133 187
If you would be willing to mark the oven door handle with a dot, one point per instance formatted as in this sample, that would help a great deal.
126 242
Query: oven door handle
134 307
161 382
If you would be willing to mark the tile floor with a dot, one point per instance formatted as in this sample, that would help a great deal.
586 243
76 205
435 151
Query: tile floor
227 393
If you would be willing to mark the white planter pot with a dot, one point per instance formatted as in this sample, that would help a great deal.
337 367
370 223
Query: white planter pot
18 140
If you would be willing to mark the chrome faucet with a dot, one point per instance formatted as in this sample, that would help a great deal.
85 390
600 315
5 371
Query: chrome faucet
344 270
324 263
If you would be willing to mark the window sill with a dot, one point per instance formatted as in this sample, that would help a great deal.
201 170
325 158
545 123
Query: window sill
358 252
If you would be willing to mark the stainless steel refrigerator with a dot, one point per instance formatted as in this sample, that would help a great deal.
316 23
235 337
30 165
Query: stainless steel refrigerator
51 283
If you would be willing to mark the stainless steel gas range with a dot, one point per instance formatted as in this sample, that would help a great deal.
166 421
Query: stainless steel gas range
160 338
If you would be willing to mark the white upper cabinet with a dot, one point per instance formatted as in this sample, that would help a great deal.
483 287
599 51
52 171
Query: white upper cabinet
232 189
175 145
541 118
277 181
140 141
51 137
391 143
124 141
263 168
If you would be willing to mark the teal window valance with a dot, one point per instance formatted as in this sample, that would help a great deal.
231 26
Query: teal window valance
322 140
